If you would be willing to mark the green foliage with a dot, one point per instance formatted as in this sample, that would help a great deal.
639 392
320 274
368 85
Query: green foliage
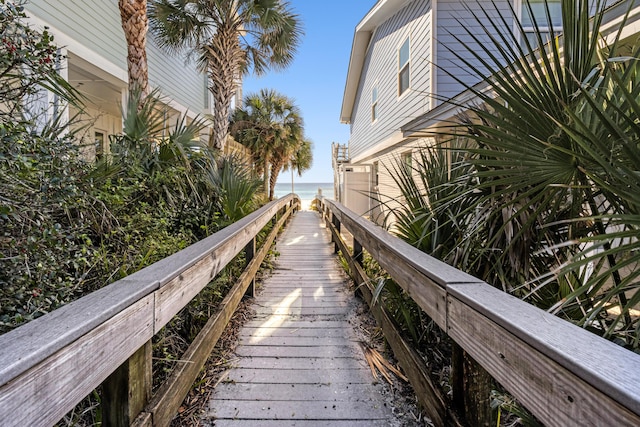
45 255
27 63
540 195
70 227
238 188
271 126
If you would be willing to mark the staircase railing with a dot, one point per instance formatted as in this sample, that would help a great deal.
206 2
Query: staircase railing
563 374
50 364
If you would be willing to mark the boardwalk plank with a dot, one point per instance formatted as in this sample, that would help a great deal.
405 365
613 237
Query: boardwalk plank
287 332
302 423
302 311
296 351
290 323
298 410
294 341
334 392
298 361
300 376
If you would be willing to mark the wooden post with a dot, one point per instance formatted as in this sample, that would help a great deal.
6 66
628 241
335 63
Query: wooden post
249 253
336 224
357 252
128 389
471 386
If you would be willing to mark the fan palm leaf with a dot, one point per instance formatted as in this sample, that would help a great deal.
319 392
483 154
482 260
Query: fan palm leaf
554 161
228 39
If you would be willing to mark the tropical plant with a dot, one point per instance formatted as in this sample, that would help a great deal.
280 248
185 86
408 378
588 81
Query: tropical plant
229 38
237 187
301 159
552 158
44 257
135 24
434 215
271 126
27 64
285 150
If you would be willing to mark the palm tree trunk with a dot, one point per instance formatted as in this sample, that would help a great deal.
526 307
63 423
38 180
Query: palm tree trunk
225 59
133 14
273 178
265 175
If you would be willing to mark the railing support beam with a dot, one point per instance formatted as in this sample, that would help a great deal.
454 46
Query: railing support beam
471 385
357 252
128 389
249 254
336 224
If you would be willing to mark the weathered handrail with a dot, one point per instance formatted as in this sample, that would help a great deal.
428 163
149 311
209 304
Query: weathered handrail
51 363
562 373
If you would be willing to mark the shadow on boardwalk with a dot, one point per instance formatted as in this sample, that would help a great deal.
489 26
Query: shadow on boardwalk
298 362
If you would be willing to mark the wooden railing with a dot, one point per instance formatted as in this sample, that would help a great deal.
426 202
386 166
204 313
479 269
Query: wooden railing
50 364
563 374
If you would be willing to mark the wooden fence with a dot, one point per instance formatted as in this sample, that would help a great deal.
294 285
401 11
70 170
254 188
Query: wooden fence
563 374
50 364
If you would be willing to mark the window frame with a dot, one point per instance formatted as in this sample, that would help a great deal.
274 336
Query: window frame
99 142
376 173
407 160
404 67
374 103
545 30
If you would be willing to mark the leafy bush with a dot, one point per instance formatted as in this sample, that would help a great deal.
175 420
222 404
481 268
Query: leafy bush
69 226
46 254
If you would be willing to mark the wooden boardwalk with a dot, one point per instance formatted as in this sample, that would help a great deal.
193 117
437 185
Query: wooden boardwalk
298 361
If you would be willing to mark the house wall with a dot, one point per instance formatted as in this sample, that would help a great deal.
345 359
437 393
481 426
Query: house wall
381 68
453 20
97 35
455 25
386 194
177 77
95 24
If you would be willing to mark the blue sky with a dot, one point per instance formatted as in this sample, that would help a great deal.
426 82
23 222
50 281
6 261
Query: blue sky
316 79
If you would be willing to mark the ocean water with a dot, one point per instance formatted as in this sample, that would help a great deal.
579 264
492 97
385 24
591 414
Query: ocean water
305 190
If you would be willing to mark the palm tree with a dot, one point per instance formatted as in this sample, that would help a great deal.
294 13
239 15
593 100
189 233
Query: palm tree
285 150
555 169
230 38
133 14
301 159
270 125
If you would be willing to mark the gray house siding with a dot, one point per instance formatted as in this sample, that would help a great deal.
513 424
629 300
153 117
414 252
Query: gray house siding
455 23
96 25
381 69
178 79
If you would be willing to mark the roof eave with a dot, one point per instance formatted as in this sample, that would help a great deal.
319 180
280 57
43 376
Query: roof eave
380 12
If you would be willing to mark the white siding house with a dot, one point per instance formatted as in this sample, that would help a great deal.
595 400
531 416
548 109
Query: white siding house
401 68
90 35
385 119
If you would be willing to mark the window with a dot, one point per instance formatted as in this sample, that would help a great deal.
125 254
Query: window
403 67
99 141
374 104
407 161
539 18
376 178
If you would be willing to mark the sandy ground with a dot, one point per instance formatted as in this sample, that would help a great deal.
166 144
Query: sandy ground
306 204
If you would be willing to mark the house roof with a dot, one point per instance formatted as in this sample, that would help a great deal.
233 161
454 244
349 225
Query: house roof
380 12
